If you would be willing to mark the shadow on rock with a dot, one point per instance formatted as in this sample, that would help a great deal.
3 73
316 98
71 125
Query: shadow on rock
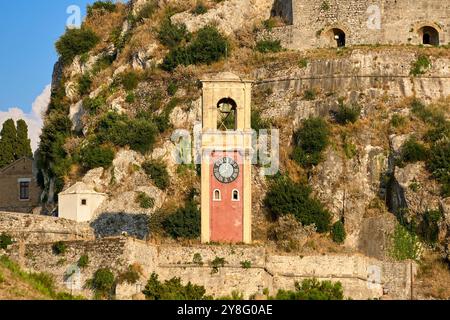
115 224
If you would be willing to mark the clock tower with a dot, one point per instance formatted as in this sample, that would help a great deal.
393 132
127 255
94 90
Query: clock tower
226 159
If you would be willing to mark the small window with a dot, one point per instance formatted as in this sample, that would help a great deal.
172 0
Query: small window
24 191
84 202
236 196
217 195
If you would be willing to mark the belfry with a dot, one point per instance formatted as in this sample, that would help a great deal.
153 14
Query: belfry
226 196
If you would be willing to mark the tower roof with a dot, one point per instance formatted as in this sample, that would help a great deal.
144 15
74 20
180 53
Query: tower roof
80 188
224 77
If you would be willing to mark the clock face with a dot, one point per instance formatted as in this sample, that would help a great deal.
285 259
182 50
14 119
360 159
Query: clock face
226 170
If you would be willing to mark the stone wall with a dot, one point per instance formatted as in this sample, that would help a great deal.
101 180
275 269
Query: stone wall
362 277
36 229
401 21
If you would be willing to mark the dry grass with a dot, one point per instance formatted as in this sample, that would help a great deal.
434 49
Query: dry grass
13 288
433 279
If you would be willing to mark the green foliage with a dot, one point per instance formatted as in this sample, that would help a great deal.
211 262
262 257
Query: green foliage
217 263
199 9
413 151
313 289
145 201
184 223
404 245
83 262
208 46
172 88
96 156
257 122
397 121
269 24
147 11
84 84
103 6
130 276
198 260
325 6
310 141
246 264
75 42
287 197
173 290
438 164
310 95
129 80
420 66
347 114
303 63
94 104
172 35
8 143
157 171
5 241
338 232
42 282
23 147
103 283
139 134
130 98
59 248
428 228
268 45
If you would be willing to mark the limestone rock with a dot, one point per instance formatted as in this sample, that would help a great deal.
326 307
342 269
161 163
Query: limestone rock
76 114
397 141
121 164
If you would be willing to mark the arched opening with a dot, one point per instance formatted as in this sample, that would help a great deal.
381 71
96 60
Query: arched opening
217 195
227 114
336 37
429 35
236 196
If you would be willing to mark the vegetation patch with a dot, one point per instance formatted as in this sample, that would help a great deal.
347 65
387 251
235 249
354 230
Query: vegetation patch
420 66
313 289
76 42
5 241
184 223
173 289
102 283
59 248
145 201
268 45
338 232
157 171
404 245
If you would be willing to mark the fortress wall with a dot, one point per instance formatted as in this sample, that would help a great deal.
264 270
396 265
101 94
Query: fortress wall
35 228
400 21
362 277
374 74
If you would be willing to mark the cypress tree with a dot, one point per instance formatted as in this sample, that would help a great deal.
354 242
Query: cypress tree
7 143
23 148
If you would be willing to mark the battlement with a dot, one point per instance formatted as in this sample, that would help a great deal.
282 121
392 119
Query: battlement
339 23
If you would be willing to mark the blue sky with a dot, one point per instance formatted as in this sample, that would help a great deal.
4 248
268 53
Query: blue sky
28 31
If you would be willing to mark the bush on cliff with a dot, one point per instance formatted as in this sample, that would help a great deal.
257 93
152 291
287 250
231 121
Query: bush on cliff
313 289
184 223
75 42
173 290
95 156
287 197
102 283
157 171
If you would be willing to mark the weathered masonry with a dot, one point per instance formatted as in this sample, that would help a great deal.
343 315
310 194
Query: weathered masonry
338 23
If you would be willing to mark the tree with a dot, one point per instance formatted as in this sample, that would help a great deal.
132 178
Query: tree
23 148
7 143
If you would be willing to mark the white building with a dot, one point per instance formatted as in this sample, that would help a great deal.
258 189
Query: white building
79 202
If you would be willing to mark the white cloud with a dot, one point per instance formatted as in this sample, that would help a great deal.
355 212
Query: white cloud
33 119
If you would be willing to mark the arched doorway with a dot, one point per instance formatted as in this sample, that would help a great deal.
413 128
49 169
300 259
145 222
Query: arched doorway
337 37
226 114
429 36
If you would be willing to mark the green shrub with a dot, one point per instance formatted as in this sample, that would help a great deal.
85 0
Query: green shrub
199 9
404 245
310 95
265 46
428 228
157 171
129 80
130 276
347 114
5 241
303 63
269 24
145 201
172 35
413 151
94 156
105 6
246 264
397 121
75 42
207 47
287 197
103 63
173 290
59 248
438 163
83 262
338 232
198 260
139 134
84 84
313 289
257 122
184 223
92 105
130 98
103 283
310 141
420 66
172 88
217 263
